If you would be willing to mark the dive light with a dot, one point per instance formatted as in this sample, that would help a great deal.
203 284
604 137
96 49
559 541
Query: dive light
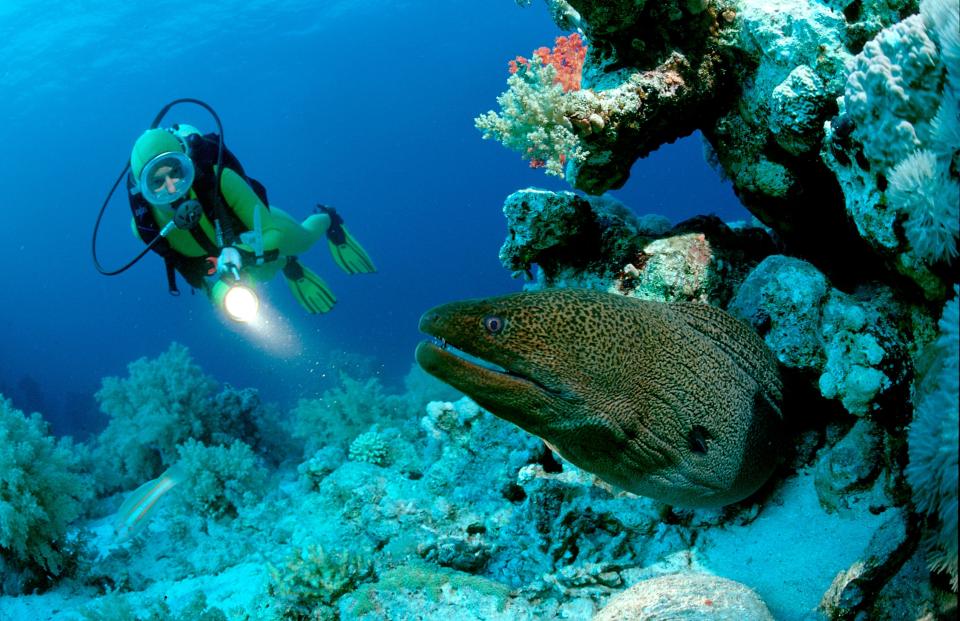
241 303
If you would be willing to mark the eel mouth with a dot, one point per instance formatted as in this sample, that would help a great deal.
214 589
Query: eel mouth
467 371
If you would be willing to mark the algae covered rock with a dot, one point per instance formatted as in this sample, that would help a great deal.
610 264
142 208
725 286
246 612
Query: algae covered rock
598 243
858 343
686 597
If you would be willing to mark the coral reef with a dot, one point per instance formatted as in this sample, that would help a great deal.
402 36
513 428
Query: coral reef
934 440
472 518
219 480
42 490
839 126
805 105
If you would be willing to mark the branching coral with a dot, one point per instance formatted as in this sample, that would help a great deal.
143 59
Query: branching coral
343 412
161 403
220 480
370 447
535 110
312 580
934 441
41 492
567 58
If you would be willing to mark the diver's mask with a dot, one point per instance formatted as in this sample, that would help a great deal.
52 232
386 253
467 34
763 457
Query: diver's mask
166 178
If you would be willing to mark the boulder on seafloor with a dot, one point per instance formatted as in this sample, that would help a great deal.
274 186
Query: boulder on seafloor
686 597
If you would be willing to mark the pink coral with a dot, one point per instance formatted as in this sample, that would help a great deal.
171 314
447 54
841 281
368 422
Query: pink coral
567 57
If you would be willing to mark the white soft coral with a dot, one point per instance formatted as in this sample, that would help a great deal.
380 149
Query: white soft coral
921 187
934 439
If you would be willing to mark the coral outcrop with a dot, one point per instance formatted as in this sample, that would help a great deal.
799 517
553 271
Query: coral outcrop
598 243
838 124
805 106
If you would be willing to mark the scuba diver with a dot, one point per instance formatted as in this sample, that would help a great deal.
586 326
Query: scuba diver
194 205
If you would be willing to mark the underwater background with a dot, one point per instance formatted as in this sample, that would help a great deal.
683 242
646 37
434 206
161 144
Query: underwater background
367 107
795 163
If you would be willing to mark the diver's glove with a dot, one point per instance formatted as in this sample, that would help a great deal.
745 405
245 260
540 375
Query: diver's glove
229 262
348 254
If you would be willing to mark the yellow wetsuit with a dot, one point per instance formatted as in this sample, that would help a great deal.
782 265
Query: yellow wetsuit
278 229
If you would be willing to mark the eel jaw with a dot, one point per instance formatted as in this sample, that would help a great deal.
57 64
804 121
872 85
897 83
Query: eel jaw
445 363
510 396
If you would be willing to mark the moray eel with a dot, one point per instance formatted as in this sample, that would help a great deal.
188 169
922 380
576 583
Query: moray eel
676 401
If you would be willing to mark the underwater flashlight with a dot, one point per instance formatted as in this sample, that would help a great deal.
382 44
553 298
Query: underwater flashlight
241 303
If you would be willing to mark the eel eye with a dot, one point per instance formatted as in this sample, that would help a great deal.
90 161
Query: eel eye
493 324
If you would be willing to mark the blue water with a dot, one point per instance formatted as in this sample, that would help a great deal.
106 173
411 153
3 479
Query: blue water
366 106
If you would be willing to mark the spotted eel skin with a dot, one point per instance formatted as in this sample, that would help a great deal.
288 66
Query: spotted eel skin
676 401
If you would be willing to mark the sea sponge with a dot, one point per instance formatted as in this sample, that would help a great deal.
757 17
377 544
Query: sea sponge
934 441
42 490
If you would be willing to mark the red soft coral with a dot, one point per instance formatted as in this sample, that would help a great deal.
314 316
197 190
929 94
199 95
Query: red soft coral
567 57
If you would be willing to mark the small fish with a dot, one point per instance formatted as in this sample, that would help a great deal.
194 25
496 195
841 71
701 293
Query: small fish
139 505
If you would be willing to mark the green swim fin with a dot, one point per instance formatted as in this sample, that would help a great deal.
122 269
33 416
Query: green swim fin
350 255
346 251
309 289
